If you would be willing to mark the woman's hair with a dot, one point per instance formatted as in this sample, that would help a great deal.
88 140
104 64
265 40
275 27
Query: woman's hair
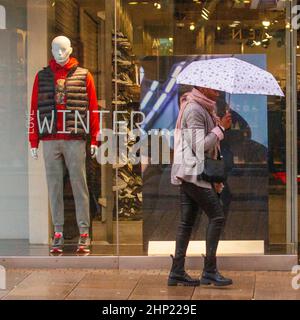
182 89
203 90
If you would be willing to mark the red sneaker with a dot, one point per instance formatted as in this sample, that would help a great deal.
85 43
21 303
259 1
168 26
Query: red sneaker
84 243
57 243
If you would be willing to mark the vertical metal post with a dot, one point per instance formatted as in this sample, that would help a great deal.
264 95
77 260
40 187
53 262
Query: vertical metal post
106 169
291 130
116 109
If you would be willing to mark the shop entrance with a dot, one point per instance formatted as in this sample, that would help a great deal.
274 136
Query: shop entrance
134 51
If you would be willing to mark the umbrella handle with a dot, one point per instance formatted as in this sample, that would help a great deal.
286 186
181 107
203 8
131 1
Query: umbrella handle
229 98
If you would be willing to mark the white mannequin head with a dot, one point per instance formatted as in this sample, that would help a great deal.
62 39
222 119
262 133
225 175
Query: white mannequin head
61 49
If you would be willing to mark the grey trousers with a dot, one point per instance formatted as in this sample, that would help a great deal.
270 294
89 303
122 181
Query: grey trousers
74 154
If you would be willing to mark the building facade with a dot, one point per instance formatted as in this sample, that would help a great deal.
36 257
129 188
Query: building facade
135 50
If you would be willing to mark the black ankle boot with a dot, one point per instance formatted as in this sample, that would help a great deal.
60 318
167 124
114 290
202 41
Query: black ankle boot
178 276
211 274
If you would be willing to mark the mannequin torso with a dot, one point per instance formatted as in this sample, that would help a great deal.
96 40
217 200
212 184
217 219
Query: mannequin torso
61 51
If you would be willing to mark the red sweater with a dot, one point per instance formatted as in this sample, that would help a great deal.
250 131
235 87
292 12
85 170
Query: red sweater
61 72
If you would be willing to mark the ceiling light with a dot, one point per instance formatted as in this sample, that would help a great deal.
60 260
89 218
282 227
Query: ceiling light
218 28
204 17
205 13
170 39
266 23
180 24
192 27
133 2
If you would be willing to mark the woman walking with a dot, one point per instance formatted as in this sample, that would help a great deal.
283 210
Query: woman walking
198 111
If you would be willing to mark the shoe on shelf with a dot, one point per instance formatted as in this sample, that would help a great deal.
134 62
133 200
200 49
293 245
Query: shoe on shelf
118 53
123 62
122 55
124 51
57 243
84 243
124 45
119 103
121 100
119 34
125 77
120 81
119 38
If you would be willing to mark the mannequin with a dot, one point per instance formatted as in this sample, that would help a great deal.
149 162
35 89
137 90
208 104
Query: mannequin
61 51
61 92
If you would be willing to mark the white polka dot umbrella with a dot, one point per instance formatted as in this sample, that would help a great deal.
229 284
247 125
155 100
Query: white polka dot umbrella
231 75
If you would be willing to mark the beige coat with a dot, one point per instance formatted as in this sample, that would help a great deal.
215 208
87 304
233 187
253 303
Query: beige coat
195 117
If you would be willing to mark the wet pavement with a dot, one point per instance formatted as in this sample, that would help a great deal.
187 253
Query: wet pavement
94 284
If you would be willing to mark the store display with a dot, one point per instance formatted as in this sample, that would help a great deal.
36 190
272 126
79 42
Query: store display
63 85
262 142
129 183
69 21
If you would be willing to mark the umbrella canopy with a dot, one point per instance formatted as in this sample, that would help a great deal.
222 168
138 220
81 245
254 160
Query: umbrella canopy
231 75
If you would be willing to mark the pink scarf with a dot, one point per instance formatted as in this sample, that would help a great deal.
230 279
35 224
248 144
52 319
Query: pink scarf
198 97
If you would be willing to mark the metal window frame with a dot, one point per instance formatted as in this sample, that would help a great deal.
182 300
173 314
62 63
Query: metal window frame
291 130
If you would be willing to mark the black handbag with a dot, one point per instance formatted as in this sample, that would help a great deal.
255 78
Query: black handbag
214 170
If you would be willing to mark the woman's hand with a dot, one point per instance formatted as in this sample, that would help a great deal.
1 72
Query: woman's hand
226 121
218 187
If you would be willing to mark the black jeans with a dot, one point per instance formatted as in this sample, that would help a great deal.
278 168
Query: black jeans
192 198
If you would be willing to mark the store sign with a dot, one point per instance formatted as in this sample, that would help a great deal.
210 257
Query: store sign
296 278
296 18
2 278
2 18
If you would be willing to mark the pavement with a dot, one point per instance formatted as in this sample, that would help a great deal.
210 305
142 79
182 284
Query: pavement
95 284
